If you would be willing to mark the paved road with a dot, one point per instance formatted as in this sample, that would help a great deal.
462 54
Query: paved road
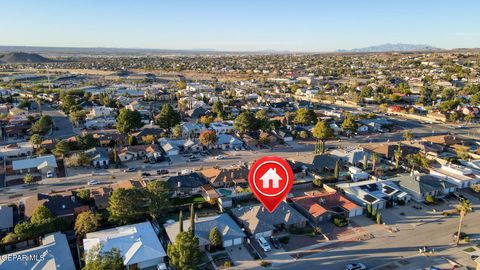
388 247
63 126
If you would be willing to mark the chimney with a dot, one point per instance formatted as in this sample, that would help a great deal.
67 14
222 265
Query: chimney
417 178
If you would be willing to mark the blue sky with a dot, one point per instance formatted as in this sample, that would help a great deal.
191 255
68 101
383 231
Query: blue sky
296 25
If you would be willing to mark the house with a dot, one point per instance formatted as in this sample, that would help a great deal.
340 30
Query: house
225 141
439 116
357 174
39 165
99 156
420 186
20 149
138 244
387 150
321 207
174 147
6 218
222 127
375 193
351 155
101 197
259 222
129 184
186 184
232 234
221 177
458 175
209 193
285 135
100 111
362 129
52 254
316 164
138 152
60 205
110 139
192 130
444 140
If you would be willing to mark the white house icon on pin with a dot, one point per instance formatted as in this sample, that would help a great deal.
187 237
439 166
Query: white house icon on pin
271 174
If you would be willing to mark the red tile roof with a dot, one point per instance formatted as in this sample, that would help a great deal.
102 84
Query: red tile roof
320 203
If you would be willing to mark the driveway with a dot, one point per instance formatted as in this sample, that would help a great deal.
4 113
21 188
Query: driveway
241 257
63 128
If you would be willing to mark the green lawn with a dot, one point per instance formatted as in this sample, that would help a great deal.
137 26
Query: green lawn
188 200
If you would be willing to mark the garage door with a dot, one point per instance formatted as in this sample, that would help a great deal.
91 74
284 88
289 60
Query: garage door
227 243
264 234
237 241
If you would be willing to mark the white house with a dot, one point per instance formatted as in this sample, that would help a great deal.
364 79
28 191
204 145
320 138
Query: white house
357 174
458 175
138 244
16 150
222 127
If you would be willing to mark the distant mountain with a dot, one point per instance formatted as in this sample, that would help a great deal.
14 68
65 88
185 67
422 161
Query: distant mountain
21 57
399 47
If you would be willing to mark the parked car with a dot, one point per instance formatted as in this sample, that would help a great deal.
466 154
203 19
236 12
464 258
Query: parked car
49 174
146 174
190 159
129 170
187 155
275 243
93 182
220 157
162 171
355 266
264 244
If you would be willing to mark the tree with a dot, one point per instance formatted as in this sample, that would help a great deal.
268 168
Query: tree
374 158
62 148
429 199
180 221
78 117
78 160
398 155
379 218
245 122
408 136
148 139
208 138
95 259
215 237
463 208
184 253
87 141
158 198
263 120
217 108
36 140
68 103
349 125
128 121
42 125
322 131
337 170
83 196
365 161
40 214
417 160
132 140
192 219
318 182
305 117
126 205
177 132
28 178
86 222
168 117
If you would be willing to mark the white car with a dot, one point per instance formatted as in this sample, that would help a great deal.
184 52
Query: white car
49 174
93 182
264 244
355 266
220 157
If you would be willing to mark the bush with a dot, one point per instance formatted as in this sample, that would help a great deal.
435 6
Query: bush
228 264
284 240
265 264
429 199
340 221
476 188
401 202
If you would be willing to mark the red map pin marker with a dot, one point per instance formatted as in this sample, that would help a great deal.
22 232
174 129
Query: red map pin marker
270 179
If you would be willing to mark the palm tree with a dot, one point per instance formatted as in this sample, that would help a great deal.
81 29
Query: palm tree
398 155
417 160
463 208
374 161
